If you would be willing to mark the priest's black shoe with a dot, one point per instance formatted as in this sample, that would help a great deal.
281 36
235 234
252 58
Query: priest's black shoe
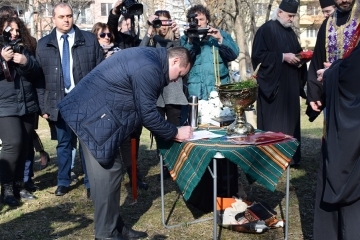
132 234
61 190
117 237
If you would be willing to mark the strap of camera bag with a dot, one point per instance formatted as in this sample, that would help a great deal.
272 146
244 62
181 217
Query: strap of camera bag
6 70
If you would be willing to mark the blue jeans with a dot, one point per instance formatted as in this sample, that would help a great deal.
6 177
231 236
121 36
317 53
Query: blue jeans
65 137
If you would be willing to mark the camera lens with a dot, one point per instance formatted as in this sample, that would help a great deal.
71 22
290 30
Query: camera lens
156 23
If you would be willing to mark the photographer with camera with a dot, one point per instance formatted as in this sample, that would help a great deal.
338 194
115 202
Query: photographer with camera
124 30
202 75
20 79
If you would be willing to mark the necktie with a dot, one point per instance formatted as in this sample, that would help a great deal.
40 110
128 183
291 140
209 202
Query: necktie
65 61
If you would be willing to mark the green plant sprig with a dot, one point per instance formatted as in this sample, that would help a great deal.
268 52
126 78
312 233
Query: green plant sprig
249 83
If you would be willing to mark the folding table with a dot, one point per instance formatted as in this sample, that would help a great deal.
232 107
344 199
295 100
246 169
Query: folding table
188 161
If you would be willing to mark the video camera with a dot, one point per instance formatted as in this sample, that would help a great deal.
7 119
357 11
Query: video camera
132 7
194 30
16 45
157 23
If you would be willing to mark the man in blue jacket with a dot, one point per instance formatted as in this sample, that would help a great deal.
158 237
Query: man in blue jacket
203 76
107 105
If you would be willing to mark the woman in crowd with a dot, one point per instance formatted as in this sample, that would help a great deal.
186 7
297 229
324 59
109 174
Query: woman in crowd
105 38
172 99
20 75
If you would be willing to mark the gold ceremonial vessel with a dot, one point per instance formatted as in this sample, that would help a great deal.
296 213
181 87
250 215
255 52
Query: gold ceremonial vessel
237 97
239 100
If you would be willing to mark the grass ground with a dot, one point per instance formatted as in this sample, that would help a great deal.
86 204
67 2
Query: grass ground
71 216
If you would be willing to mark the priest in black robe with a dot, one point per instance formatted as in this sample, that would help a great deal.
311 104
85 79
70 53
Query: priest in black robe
280 77
337 215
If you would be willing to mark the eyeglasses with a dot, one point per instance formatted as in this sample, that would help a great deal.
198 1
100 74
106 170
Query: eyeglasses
102 35
162 13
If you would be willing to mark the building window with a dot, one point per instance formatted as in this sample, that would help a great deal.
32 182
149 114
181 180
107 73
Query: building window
46 9
312 10
311 33
105 9
82 17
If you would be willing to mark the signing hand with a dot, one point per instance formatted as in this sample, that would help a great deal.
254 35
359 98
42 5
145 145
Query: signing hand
19 58
45 116
184 133
291 58
7 53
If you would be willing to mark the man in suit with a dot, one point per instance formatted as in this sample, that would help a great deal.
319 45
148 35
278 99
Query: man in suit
66 55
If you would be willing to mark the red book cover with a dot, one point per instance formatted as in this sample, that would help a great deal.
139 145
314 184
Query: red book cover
260 138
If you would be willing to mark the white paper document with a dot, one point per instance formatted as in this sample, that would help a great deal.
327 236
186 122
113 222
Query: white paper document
204 134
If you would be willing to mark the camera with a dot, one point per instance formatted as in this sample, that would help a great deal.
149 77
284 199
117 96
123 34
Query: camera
132 7
16 45
157 23
194 30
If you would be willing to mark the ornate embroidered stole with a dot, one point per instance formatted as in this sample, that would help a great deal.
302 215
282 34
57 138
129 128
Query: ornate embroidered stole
338 38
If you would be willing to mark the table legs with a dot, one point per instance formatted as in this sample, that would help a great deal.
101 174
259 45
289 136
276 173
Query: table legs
213 173
163 203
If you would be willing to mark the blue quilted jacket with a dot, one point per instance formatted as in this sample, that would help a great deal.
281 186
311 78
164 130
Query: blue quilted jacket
117 97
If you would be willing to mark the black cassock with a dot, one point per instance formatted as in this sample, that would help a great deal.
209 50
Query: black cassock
337 205
280 84
314 87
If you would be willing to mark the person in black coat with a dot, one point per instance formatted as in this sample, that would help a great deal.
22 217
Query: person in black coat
20 77
113 100
337 203
66 55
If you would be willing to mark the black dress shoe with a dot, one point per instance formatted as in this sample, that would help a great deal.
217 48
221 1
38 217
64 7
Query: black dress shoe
132 234
117 237
30 186
61 190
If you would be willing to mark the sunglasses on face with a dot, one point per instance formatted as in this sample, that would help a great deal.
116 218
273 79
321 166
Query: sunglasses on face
102 35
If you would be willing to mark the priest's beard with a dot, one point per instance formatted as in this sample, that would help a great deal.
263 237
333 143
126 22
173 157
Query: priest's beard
285 24
345 7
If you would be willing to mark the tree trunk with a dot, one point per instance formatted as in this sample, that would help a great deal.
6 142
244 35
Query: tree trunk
269 10
241 41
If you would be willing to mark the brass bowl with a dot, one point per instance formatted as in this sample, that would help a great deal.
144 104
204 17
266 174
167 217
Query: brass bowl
237 97
239 100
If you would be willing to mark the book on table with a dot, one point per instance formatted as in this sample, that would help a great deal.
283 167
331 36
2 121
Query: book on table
260 138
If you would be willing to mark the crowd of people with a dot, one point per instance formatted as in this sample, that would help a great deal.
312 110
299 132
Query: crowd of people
100 88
